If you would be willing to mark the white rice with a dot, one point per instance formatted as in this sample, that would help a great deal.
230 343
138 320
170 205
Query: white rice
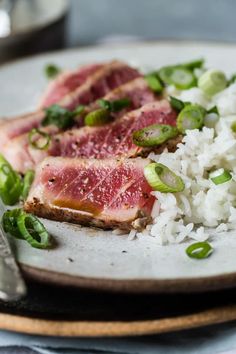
202 206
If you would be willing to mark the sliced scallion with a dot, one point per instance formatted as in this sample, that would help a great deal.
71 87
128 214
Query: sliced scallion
116 105
177 104
162 179
212 82
33 231
220 176
154 135
233 127
199 250
154 83
191 117
28 180
51 71
59 116
182 78
10 183
38 139
9 222
98 117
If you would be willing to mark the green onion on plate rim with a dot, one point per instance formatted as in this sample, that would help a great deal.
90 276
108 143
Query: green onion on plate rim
199 250
10 183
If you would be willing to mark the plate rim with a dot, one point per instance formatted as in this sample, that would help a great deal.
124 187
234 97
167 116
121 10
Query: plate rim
135 286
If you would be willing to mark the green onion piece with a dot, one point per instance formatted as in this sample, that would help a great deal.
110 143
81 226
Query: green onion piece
78 110
162 179
233 127
232 79
51 71
154 83
195 64
9 222
28 180
191 117
10 183
211 119
39 139
199 250
99 117
220 176
114 106
177 104
214 109
181 77
33 231
154 135
212 82
59 116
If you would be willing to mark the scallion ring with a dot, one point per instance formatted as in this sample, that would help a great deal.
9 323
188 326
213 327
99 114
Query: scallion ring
154 135
220 176
39 139
9 222
182 78
212 82
162 179
10 183
98 117
199 250
33 231
233 127
154 83
191 117
51 71
116 105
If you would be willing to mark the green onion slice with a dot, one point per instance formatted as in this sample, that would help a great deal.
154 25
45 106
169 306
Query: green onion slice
177 104
59 116
211 119
154 135
195 64
78 110
154 83
213 109
232 79
114 106
51 71
191 117
98 117
33 231
39 139
199 250
212 82
220 176
162 179
181 77
9 222
10 183
28 180
233 127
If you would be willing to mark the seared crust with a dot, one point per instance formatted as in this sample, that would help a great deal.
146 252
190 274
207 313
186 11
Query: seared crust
68 215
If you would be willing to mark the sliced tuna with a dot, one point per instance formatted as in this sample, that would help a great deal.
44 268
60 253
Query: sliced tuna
96 86
105 193
66 82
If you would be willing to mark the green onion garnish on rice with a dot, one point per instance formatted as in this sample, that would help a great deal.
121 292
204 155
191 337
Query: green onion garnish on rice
162 179
191 117
220 176
212 82
181 77
154 82
154 135
199 250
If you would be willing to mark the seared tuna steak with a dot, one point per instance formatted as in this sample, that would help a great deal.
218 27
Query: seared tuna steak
105 193
67 82
96 86
111 140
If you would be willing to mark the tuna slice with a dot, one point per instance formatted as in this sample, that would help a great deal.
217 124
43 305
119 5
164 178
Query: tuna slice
22 157
67 82
105 193
96 86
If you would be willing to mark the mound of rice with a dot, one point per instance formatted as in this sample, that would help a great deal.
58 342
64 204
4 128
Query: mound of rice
203 208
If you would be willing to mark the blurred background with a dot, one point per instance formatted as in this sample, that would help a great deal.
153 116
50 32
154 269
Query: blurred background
32 26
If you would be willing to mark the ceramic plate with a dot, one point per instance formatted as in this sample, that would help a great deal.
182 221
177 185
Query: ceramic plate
95 258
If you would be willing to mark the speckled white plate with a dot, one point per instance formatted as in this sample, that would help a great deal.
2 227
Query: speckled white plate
98 259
